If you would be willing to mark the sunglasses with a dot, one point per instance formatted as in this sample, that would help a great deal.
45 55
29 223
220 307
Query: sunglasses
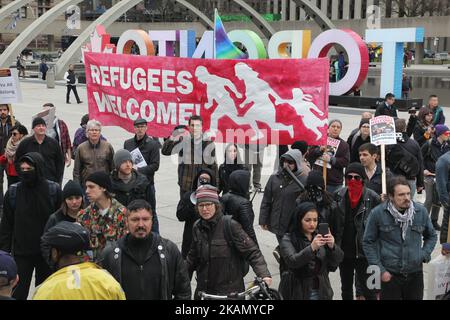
353 177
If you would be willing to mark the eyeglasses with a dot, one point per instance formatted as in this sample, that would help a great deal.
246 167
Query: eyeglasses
353 177
205 205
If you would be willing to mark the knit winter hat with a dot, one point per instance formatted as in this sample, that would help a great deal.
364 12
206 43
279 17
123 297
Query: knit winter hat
315 178
102 179
120 157
72 188
363 121
205 193
358 168
440 129
38 121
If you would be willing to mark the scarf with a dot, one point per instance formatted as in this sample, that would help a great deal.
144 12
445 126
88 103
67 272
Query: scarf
355 190
404 219
10 149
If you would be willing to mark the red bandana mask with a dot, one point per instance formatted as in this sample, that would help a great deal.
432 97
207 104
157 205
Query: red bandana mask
355 189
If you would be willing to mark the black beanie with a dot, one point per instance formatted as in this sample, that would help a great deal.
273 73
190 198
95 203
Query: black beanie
102 179
315 178
72 188
37 121
300 145
363 121
356 167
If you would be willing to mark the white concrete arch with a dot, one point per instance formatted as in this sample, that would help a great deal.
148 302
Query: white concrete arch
6 11
32 31
316 14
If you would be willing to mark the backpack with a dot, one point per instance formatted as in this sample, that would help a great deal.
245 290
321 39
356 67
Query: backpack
402 161
228 237
53 188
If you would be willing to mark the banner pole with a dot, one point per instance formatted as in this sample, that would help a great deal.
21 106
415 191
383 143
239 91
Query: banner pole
11 114
383 168
324 173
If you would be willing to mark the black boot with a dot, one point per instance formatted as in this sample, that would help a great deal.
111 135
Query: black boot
436 225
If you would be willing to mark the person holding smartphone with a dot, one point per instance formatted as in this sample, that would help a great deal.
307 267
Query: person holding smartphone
355 203
310 254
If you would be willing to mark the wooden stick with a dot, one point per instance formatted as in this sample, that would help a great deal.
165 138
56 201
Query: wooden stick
383 168
11 114
324 173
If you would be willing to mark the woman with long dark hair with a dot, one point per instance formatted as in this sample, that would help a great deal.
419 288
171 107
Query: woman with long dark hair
231 163
424 129
309 257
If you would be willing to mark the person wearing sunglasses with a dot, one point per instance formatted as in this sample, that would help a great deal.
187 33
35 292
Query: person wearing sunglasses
432 150
355 203
18 132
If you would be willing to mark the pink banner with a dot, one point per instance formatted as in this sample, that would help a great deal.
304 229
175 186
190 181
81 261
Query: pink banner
274 101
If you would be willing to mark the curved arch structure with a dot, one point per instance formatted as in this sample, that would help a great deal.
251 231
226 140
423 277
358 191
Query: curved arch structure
316 14
11 7
32 31
256 18
106 20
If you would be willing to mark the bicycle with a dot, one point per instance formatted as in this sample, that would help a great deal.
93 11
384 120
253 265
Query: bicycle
258 291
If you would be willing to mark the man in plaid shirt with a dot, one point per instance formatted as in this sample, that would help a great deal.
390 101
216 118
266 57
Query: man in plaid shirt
60 132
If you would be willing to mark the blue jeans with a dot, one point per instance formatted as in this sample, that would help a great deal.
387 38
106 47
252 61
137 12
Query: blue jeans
151 198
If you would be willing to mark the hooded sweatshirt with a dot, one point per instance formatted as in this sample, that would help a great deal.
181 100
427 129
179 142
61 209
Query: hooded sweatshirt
22 227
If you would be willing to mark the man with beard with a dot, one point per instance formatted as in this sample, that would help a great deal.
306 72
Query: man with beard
355 203
147 266
28 205
393 241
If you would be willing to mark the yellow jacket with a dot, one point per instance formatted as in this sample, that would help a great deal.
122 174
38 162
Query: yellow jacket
84 281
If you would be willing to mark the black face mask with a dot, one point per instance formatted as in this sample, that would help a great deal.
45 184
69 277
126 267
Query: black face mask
315 194
29 178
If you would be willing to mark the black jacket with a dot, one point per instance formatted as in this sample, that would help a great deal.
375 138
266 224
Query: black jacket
384 110
225 171
375 183
335 175
355 141
369 201
150 151
136 188
431 151
174 282
278 202
21 227
413 148
305 268
419 132
56 218
237 204
53 167
218 265
186 212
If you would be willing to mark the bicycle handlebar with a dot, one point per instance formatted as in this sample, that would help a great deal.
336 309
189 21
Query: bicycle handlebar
258 284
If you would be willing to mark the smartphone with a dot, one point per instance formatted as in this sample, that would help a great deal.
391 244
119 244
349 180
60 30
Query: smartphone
323 228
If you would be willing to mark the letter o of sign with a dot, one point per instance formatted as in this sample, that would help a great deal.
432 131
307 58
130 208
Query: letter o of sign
358 56
138 37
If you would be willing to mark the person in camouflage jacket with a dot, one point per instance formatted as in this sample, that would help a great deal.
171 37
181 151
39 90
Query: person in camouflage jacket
104 218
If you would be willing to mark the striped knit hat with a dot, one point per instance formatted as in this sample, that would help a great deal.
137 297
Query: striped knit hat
206 193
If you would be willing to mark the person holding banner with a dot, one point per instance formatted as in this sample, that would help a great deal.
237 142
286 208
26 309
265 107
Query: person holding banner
195 152
368 155
335 157
399 238
432 150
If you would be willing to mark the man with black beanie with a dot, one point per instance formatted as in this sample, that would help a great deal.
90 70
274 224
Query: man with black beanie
27 207
53 166
355 203
104 218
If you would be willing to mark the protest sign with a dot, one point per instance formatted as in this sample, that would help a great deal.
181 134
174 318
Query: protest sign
48 115
332 147
138 158
438 277
382 130
9 86
286 98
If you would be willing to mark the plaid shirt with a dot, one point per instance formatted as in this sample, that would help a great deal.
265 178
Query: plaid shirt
64 137
103 229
